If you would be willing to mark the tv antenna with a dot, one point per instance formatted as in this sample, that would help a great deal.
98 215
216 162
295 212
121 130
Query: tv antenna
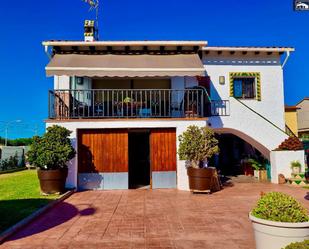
94 5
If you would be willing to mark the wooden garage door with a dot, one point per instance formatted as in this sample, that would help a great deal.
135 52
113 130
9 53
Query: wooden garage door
102 151
163 149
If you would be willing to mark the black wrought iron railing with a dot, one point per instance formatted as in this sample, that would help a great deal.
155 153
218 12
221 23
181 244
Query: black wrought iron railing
130 103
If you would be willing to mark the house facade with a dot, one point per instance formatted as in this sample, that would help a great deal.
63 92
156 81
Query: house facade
291 119
127 102
303 117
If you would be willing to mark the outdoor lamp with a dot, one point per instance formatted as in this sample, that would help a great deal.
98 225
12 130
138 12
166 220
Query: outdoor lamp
221 80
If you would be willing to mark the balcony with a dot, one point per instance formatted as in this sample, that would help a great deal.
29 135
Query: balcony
131 103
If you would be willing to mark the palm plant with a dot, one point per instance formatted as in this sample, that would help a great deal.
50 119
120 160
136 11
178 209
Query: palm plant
258 164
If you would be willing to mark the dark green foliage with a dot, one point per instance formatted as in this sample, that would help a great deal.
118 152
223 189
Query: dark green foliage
197 144
276 206
10 163
298 245
53 150
295 164
20 142
17 141
258 164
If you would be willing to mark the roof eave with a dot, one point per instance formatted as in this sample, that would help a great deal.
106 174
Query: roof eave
125 43
291 108
305 98
250 49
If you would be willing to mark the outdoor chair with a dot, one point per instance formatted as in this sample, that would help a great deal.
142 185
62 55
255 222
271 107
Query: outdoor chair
145 112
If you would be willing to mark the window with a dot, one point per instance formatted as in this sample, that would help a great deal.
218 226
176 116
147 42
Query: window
245 85
244 88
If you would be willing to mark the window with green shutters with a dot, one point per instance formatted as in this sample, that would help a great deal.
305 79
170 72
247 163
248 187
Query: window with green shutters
245 85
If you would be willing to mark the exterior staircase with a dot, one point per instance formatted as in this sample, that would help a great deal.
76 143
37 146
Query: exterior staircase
251 126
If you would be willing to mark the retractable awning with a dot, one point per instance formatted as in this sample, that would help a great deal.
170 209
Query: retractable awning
111 65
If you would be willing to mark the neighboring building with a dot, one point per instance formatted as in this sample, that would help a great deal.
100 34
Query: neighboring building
291 120
301 5
126 102
303 117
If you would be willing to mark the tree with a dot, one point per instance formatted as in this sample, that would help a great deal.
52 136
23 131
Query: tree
53 150
197 144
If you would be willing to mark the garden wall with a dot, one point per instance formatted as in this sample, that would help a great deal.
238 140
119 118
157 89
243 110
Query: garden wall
7 152
281 163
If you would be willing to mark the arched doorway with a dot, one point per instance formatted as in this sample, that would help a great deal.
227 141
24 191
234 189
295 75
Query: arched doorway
236 148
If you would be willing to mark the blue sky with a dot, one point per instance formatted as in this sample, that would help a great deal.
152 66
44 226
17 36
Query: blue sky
25 24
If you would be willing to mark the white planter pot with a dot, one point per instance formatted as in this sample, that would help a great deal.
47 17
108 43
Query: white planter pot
256 174
277 235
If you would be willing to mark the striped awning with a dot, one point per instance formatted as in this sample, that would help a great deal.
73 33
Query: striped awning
111 65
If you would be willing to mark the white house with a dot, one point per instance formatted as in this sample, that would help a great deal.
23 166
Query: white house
126 102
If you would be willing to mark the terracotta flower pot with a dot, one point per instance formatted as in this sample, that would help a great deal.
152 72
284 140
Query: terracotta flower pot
248 170
52 181
201 179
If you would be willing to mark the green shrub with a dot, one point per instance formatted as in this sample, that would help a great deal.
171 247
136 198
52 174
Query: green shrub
197 144
295 164
276 206
53 150
298 245
9 163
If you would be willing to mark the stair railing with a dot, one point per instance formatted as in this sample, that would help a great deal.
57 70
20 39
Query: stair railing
261 116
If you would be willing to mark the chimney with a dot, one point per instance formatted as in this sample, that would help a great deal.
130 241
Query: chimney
90 32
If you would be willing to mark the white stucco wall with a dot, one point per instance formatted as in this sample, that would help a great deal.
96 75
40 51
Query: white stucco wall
241 121
250 127
271 105
281 163
61 82
180 125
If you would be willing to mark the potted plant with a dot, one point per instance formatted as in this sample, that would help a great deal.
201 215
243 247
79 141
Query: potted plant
256 166
259 166
278 220
50 154
298 245
296 167
196 146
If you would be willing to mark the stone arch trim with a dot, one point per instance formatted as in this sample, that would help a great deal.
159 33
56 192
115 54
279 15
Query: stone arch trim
256 144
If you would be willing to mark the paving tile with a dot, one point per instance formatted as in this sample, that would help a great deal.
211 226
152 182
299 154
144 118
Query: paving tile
151 219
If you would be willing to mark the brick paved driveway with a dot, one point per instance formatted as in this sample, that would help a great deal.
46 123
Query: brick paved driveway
150 219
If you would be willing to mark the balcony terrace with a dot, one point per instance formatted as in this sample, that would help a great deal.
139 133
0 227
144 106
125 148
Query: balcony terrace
134 103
